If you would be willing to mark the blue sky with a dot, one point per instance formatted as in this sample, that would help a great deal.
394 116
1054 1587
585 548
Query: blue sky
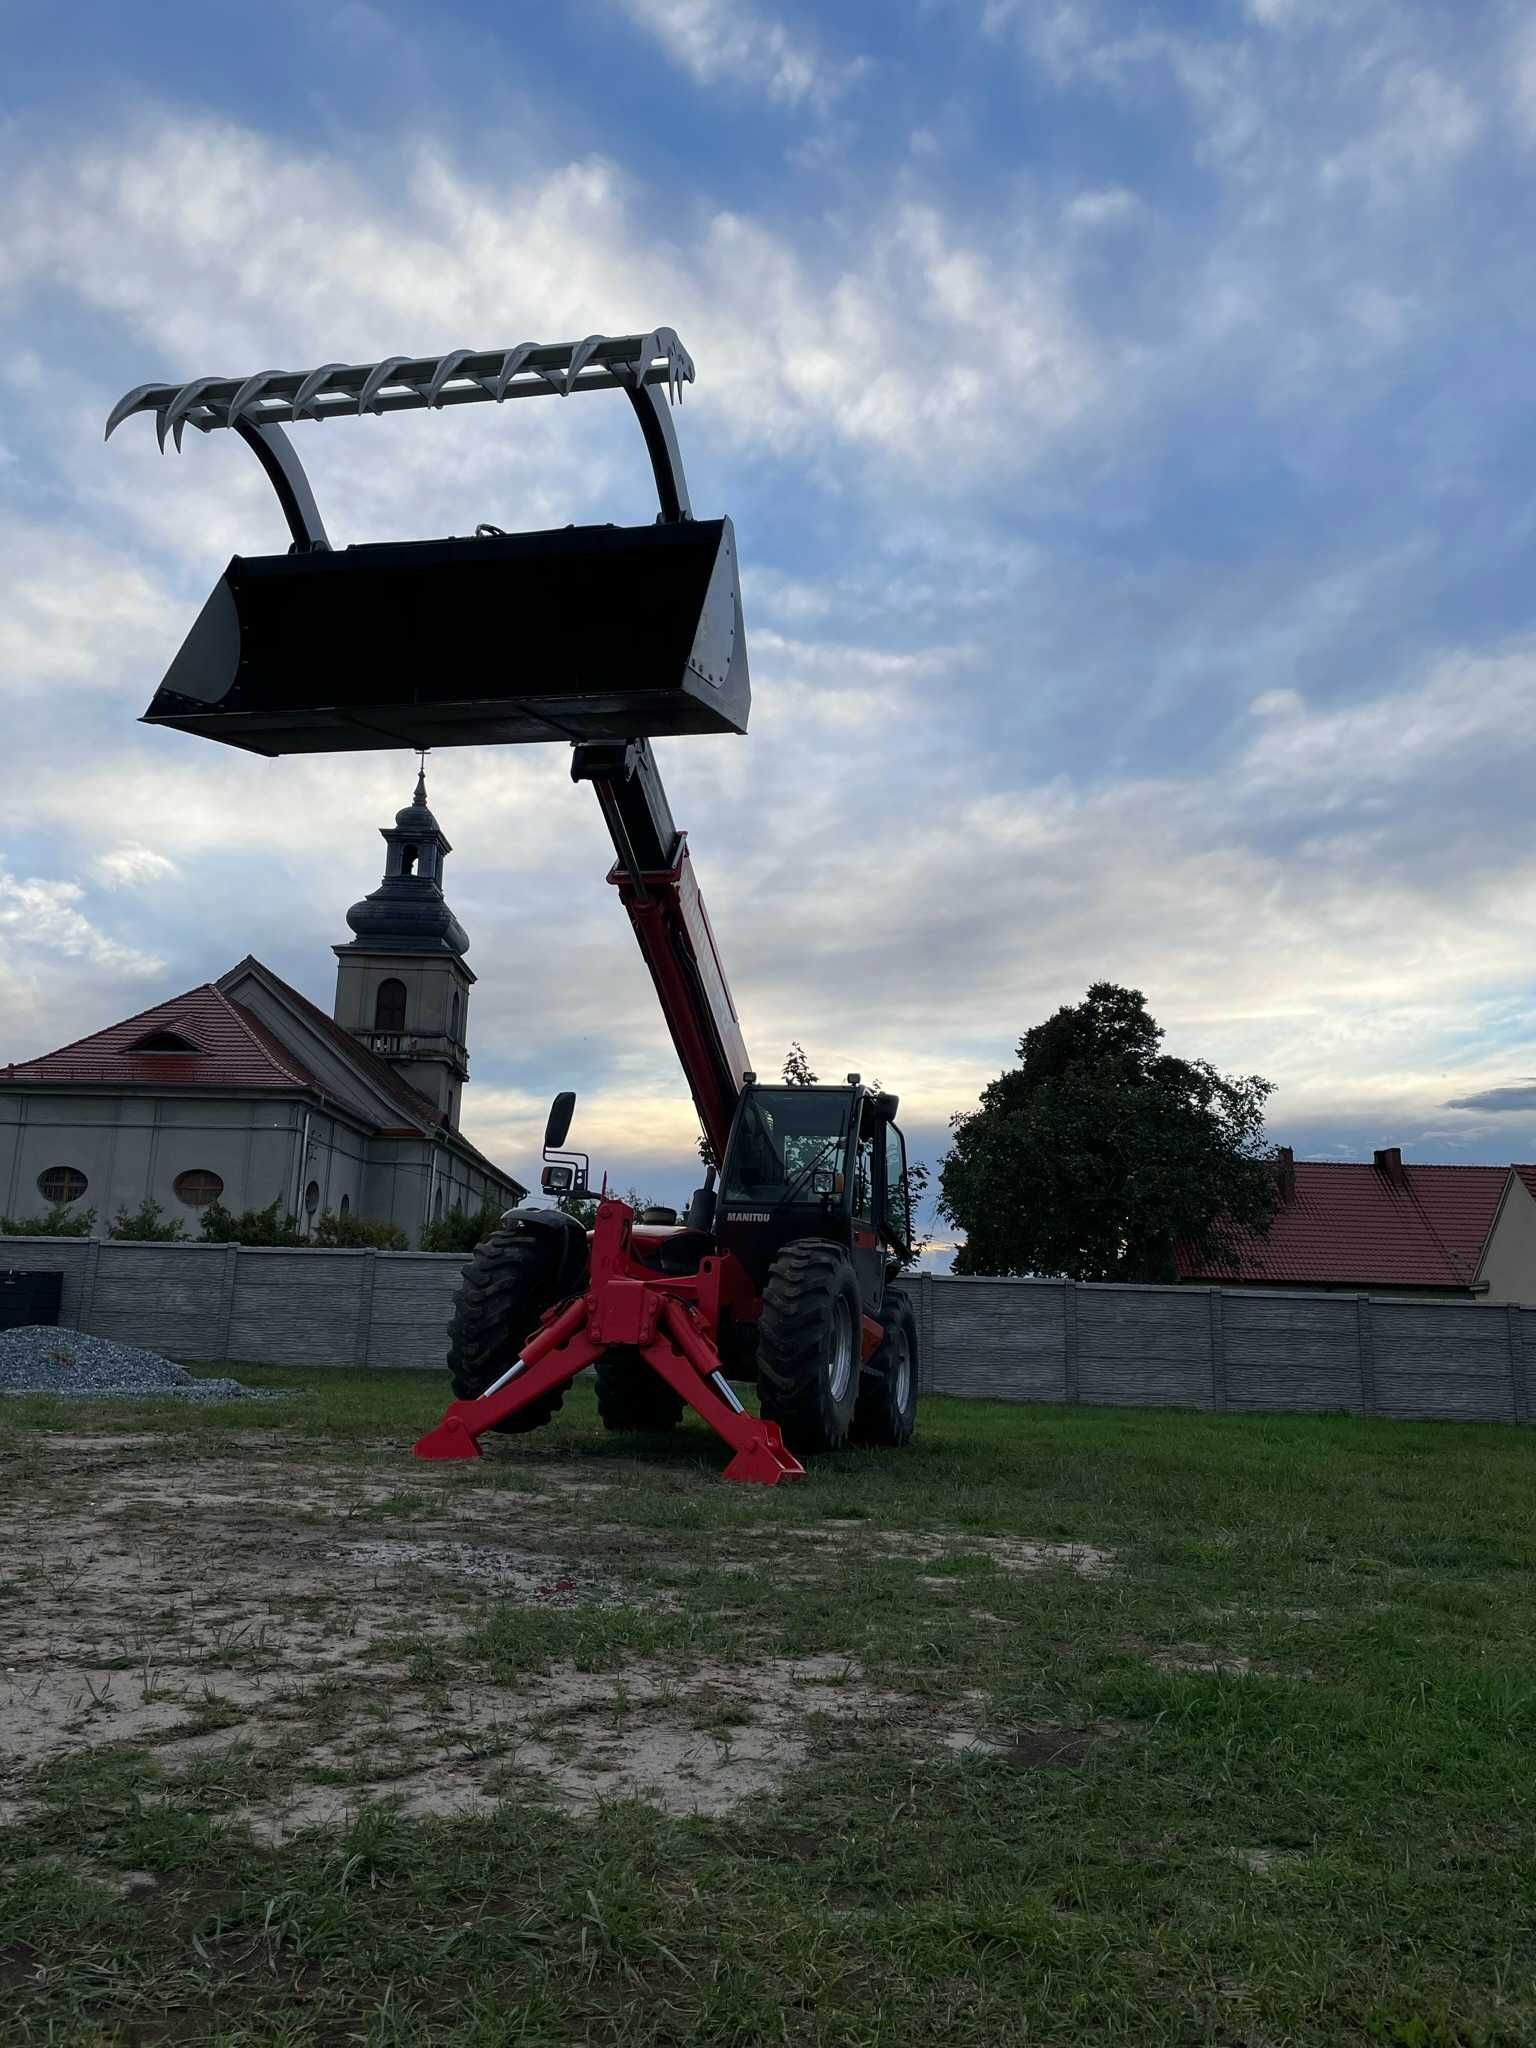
1126 414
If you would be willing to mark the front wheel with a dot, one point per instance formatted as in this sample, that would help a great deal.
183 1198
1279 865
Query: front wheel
886 1412
514 1277
809 1341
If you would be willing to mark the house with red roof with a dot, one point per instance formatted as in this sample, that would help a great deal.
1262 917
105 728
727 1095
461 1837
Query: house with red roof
1463 1233
243 1091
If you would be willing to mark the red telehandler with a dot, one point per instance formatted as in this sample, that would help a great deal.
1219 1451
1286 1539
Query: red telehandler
607 637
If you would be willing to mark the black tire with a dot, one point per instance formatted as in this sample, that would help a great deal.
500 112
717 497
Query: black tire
808 1344
886 1410
513 1278
631 1396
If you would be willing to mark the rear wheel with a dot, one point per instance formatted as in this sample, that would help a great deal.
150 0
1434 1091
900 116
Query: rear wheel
631 1396
808 1345
887 1405
513 1278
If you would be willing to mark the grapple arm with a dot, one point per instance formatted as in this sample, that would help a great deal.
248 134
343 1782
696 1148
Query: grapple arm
259 407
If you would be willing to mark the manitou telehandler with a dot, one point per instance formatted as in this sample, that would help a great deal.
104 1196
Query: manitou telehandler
607 637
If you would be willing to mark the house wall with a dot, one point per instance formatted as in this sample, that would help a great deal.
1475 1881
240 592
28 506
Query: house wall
1007 1340
131 1144
1509 1263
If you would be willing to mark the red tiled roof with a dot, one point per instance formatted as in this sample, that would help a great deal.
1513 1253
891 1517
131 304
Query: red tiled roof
422 1111
1353 1226
237 1050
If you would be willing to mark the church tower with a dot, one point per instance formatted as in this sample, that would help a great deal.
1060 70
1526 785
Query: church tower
402 987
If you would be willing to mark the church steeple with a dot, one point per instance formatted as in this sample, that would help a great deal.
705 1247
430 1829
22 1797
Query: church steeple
401 984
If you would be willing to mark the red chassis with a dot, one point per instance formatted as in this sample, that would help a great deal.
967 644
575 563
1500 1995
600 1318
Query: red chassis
669 1319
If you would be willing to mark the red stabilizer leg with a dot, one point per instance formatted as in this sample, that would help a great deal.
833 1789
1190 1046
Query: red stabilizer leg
685 1359
555 1354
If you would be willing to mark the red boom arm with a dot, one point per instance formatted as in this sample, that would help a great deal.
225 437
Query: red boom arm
656 884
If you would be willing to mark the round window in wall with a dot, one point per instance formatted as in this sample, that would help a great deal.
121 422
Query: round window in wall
62 1184
198 1187
312 1198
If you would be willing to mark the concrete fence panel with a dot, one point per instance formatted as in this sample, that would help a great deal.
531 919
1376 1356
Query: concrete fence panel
412 1300
160 1296
1144 1347
1003 1338
1292 1351
295 1308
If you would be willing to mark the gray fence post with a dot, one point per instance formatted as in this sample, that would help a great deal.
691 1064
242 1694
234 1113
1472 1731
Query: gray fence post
1367 1346
1517 1400
228 1280
88 1283
363 1335
1069 1380
1218 1353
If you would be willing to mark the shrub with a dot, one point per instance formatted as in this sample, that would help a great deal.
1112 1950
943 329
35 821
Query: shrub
146 1225
359 1233
59 1221
461 1229
251 1226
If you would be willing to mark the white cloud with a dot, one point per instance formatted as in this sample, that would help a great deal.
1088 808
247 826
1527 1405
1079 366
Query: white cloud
42 915
1425 123
76 612
727 39
1108 206
914 326
132 867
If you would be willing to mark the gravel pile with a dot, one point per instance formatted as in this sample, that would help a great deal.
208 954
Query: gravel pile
42 1360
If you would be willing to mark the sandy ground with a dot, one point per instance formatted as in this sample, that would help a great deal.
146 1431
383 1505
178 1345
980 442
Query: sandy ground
251 1605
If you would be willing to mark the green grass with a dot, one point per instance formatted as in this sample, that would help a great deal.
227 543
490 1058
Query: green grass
1336 1846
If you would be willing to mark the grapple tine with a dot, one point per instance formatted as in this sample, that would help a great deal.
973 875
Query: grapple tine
182 404
581 355
310 386
377 378
247 395
134 401
446 365
511 363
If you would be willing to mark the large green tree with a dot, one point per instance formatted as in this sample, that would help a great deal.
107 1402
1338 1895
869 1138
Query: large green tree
1099 1152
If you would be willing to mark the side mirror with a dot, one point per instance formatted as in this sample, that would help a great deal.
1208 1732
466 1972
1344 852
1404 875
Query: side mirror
561 1110
886 1107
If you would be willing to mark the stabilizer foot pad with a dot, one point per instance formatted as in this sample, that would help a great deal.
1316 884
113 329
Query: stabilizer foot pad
765 1461
450 1439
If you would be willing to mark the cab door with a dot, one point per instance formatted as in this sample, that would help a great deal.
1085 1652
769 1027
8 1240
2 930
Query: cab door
896 1197
867 1209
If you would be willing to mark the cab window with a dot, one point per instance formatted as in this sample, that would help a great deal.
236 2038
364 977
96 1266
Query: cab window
898 1212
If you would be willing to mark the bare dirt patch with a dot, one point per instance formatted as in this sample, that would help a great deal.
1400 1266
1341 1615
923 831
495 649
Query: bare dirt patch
283 1636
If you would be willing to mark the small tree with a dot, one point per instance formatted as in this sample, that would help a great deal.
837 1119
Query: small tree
1098 1153
360 1233
251 1226
147 1224
59 1221
461 1229
797 1068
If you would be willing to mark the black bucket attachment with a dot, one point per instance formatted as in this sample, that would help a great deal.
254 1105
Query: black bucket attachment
587 633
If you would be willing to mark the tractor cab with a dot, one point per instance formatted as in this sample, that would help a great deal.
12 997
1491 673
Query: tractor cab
818 1162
